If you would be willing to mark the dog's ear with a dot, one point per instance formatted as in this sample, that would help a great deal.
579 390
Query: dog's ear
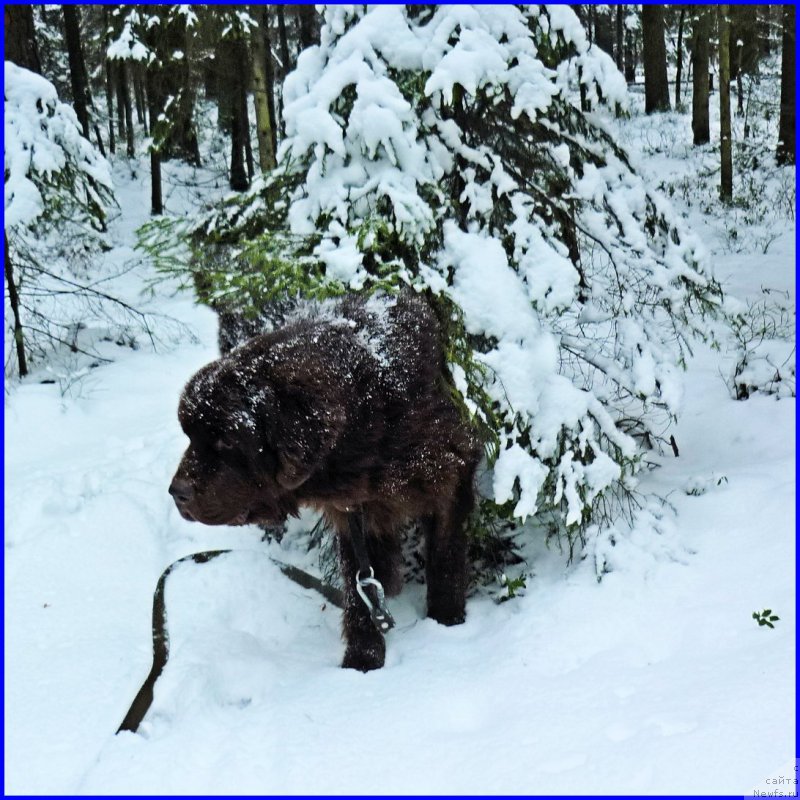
309 426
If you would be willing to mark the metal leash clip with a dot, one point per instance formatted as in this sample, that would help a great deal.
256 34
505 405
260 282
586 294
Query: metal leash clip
380 616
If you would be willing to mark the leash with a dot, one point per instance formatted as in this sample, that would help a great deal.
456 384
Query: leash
365 586
376 605
144 697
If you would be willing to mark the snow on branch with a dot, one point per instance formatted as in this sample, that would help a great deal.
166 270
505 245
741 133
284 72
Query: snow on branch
43 145
449 148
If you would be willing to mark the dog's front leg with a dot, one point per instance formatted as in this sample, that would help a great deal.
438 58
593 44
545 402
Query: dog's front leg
446 555
445 570
365 647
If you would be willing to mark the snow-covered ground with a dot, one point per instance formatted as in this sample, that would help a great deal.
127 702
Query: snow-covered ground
656 679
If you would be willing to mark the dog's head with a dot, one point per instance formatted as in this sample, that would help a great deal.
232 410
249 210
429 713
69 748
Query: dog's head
253 442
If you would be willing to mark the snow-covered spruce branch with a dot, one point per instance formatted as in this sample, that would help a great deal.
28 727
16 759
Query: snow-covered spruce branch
57 191
444 147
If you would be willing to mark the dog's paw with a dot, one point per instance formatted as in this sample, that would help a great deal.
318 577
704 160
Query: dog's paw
364 660
447 617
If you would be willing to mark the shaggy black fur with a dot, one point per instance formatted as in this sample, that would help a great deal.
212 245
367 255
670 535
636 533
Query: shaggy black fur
346 410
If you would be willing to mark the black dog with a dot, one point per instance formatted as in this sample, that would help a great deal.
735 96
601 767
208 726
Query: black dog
347 410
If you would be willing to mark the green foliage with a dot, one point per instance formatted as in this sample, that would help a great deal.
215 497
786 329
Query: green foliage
511 587
530 174
765 617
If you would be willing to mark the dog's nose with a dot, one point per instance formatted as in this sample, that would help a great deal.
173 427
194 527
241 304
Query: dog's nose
181 490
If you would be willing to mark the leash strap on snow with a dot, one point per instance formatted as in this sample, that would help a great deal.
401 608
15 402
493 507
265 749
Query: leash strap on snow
144 698
378 612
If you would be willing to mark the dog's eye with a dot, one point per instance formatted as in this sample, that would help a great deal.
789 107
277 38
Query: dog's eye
222 445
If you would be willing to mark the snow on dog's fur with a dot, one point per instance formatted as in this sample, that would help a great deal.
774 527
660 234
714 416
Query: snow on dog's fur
344 408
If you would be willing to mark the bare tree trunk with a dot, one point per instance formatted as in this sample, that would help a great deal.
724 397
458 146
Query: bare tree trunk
13 299
270 78
81 94
124 116
156 200
785 153
656 88
763 28
630 57
235 87
238 179
739 87
122 91
99 139
77 70
184 135
726 183
148 121
261 91
123 68
618 48
605 29
109 87
284 43
112 146
285 65
679 57
248 143
223 80
700 57
20 37
138 96
309 28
